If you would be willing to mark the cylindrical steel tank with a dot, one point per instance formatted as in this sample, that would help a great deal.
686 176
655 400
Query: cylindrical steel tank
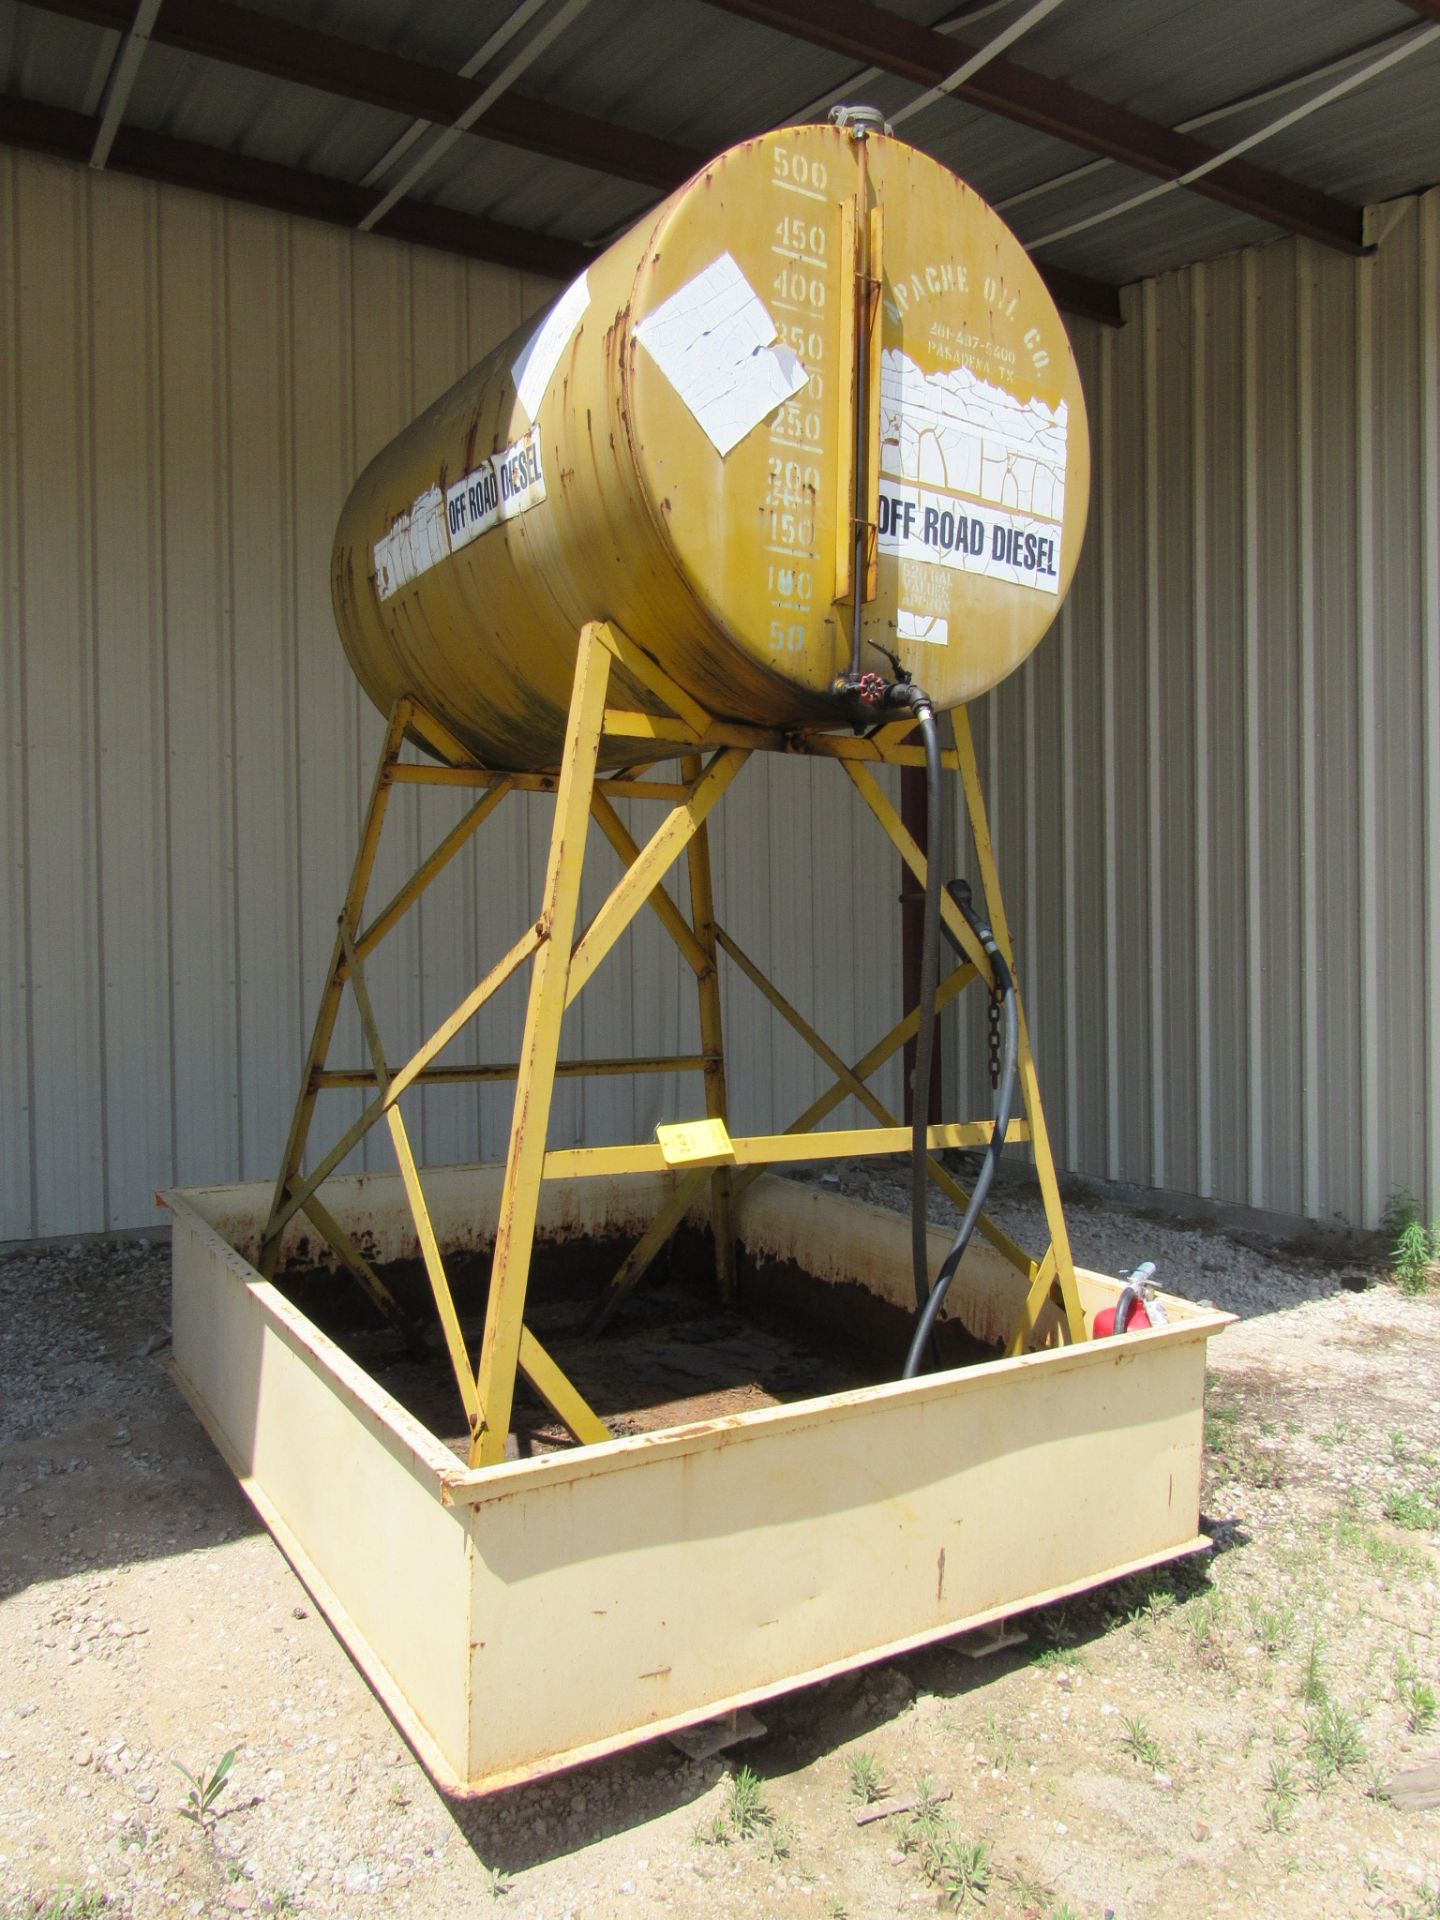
670 448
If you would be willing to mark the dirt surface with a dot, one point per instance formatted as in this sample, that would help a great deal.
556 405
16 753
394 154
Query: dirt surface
1203 1740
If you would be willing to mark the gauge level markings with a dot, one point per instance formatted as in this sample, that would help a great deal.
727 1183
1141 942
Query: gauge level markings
800 288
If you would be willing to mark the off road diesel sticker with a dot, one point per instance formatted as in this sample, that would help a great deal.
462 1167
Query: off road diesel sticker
918 524
973 477
509 483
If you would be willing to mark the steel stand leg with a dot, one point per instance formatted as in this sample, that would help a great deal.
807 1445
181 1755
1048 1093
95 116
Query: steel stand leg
1059 1267
702 915
539 1051
330 999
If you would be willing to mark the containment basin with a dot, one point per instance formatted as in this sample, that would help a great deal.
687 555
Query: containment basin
777 1509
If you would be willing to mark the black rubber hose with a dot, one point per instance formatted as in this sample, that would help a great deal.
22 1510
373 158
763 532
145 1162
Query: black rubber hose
1124 1307
1005 987
902 695
929 981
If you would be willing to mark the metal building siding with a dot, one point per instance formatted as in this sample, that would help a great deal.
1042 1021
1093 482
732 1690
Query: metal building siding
1429 502
65 936
187 390
1215 788
1233 953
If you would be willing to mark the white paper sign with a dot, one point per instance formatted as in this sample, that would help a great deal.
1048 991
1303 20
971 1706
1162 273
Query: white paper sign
415 541
540 355
929 627
713 342
508 483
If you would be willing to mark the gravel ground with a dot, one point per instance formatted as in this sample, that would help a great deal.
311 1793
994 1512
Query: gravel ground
1123 1759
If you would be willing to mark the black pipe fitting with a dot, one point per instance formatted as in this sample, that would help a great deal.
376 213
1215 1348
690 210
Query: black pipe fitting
903 696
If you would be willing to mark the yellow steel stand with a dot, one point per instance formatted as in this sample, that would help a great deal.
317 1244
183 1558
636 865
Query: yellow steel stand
561 965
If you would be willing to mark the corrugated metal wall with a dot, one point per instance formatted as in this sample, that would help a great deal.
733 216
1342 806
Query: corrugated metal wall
1216 788
189 388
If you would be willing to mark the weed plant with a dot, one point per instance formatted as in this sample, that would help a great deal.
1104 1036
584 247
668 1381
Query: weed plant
204 1789
1413 1262
867 1782
496 1884
1157 1606
77 1903
1385 1555
1415 1695
776 1841
1059 1659
1280 1796
1416 1509
1415 1247
1425 1905
1138 1741
959 1869
746 1808
1002 1747
1271 1627
1314 1690
1334 1743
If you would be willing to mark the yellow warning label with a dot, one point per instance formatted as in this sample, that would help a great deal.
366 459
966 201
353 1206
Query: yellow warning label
696 1143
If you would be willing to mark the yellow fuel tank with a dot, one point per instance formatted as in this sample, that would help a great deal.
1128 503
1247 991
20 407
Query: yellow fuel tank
671 447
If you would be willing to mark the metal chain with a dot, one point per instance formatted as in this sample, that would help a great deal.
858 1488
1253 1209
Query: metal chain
994 1041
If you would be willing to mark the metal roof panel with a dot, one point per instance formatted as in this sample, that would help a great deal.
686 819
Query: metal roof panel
693 73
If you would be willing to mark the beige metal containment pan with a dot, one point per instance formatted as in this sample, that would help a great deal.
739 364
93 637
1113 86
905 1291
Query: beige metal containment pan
521 1617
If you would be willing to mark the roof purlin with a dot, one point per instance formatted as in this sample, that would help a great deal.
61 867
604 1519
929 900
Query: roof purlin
1003 87
286 50
267 183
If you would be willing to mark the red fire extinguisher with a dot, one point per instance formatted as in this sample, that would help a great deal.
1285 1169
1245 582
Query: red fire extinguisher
1129 1314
